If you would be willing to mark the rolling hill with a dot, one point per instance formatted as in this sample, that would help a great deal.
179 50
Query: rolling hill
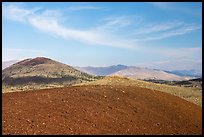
146 73
112 105
133 72
102 71
191 73
42 71
192 94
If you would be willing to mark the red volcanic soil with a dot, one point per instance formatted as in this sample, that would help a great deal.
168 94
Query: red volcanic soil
99 110
35 61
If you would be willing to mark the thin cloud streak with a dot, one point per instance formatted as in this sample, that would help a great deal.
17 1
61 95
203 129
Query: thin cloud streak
162 5
120 21
78 8
47 23
86 36
159 27
178 32
174 6
166 31
115 24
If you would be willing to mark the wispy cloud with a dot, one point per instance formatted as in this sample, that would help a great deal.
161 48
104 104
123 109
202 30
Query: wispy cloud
120 21
77 8
14 13
159 27
178 7
48 21
162 5
180 31
117 22
164 30
86 36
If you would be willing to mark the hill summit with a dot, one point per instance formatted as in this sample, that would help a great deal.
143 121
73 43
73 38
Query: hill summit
42 70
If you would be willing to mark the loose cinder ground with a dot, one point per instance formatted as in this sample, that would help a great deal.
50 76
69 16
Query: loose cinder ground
99 109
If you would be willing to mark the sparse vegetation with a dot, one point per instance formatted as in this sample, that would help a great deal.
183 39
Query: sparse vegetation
101 109
192 94
43 72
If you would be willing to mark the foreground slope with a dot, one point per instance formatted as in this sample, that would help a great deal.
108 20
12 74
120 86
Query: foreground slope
99 109
42 72
192 94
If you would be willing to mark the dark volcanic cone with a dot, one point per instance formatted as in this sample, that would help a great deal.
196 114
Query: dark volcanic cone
42 70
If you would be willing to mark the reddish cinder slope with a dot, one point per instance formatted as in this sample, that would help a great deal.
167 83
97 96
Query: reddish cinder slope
98 109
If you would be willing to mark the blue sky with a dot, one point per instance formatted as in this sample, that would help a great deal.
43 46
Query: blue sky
162 35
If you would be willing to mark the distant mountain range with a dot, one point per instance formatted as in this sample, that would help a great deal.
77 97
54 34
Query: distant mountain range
121 70
191 73
134 72
146 73
6 64
102 71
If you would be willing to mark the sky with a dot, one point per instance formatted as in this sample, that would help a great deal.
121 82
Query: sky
160 35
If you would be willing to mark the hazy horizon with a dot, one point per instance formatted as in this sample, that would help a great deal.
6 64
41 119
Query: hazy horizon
157 35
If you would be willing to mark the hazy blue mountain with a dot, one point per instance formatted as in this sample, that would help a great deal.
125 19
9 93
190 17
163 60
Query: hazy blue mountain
191 73
146 74
102 71
133 72
6 64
